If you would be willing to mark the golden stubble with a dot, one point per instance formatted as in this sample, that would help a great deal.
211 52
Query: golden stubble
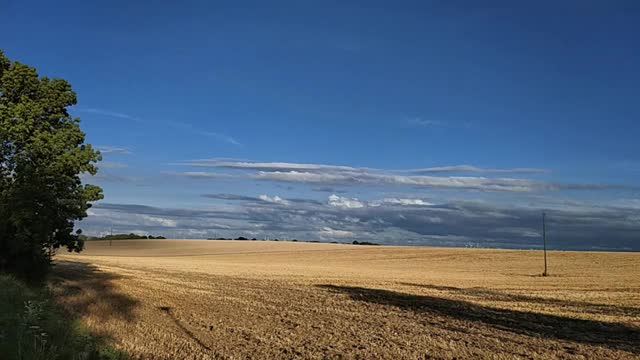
195 299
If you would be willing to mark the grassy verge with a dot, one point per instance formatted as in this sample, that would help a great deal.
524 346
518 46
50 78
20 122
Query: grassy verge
32 327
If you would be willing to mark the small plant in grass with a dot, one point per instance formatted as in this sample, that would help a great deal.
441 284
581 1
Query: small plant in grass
32 327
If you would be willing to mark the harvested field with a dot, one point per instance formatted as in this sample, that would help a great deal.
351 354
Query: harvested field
195 299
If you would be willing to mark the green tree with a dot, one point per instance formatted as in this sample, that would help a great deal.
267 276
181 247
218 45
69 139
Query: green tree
42 155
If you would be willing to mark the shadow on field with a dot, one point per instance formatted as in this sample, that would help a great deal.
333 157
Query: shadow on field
579 306
32 326
191 335
611 335
82 289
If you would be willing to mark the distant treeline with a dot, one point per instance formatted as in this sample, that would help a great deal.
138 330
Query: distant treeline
363 243
293 240
241 238
131 236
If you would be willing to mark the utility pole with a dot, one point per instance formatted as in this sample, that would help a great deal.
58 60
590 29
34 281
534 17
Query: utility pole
544 242
111 237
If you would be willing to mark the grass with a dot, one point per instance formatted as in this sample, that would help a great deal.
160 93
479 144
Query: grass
170 299
33 327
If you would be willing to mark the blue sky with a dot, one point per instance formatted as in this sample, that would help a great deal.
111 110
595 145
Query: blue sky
207 111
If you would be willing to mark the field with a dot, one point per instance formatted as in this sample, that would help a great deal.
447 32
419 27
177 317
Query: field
175 299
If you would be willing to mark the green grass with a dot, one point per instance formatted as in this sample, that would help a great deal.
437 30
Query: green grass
32 327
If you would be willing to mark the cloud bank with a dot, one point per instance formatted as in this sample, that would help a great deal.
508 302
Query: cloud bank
387 220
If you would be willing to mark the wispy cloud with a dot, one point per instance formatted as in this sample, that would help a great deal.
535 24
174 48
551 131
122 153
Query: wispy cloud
200 174
424 122
288 166
232 197
275 199
324 175
451 182
475 169
328 189
222 137
106 149
112 165
175 124
103 176
264 166
108 113
197 131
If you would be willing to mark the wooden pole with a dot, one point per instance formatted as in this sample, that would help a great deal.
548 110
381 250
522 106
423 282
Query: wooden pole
544 240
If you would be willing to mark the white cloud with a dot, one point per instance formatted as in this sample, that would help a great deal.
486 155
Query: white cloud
273 199
329 232
405 202
156 220
345 203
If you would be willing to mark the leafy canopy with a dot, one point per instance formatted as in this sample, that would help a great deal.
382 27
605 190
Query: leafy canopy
42 155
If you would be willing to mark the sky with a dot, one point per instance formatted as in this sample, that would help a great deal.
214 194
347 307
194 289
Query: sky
447 123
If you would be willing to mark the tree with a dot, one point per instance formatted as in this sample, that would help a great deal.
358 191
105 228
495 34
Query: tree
42 155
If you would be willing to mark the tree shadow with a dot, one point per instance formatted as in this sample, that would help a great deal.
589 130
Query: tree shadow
82 289
611 335
578 306
189 333
34 325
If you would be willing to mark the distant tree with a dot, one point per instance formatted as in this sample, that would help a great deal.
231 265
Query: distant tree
42 154
363 243
130 236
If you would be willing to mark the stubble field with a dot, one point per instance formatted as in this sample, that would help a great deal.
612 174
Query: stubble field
194 299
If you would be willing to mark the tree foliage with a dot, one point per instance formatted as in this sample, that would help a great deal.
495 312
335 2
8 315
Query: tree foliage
42 155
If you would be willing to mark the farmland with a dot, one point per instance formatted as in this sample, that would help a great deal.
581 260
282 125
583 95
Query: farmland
195 299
